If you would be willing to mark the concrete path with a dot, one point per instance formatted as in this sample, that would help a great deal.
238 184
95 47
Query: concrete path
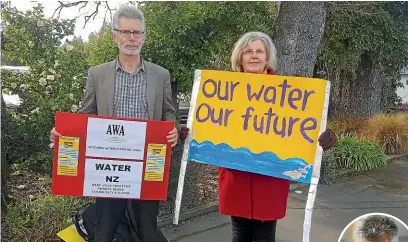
385 191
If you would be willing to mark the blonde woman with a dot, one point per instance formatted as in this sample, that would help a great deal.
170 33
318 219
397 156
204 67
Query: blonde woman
255 202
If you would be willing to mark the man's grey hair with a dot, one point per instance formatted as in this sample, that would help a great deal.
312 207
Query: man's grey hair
373 227
128 11
245 41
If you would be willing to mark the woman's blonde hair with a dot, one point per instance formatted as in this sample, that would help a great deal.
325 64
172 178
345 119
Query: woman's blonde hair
245 41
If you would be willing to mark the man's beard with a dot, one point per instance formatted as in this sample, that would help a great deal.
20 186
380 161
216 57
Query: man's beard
130 51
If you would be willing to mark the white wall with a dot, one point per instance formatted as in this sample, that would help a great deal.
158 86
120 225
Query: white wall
403 91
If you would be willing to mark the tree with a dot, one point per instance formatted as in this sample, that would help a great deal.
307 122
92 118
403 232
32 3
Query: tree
97 8
364 48
100 48
298 32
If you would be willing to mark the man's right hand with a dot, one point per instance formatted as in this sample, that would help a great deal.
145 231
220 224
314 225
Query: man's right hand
54 134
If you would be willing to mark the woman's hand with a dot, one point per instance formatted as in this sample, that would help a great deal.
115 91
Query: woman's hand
183 132
327 139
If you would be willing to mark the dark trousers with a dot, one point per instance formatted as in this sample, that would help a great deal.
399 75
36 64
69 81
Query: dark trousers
249 230
109 213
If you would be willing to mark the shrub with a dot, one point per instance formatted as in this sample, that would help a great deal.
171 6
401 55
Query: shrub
54 82
41 219
344 125
359 155
389 131
328 169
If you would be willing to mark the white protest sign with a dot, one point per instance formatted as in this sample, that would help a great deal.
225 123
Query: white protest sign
115 139
113 178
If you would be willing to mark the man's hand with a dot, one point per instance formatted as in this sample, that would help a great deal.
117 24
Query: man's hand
327 139
54 134
172 137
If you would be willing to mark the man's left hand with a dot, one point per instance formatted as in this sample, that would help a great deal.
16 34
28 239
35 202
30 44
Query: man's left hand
172 137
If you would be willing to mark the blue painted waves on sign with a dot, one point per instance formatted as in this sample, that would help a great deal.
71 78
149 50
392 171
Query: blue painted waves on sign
266 163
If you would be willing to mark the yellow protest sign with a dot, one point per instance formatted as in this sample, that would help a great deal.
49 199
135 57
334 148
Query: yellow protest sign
259 123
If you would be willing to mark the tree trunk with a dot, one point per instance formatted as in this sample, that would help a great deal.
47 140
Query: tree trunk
357 94
298 32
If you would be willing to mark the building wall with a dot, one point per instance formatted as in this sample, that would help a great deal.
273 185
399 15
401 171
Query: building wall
403 91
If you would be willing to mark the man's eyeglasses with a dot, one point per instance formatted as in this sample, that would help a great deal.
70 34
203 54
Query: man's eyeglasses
128 33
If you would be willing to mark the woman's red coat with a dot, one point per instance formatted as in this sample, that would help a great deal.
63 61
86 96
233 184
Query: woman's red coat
252 196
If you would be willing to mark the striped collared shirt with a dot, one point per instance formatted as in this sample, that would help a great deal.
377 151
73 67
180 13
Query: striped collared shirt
130 94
